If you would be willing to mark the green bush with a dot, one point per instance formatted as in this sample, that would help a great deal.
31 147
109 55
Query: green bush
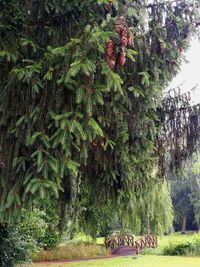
20 241
31 231
14 247
51 238
34 224
31 223
195 245
185 248
177 249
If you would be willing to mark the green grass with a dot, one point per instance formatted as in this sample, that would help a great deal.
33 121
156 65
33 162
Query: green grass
80 237
142 261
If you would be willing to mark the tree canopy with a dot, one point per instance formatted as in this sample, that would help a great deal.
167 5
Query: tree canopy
81 84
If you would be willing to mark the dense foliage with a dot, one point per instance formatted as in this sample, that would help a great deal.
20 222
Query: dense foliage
30 233
72 125
15 248
184 248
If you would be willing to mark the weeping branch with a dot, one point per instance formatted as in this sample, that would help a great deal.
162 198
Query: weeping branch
179 123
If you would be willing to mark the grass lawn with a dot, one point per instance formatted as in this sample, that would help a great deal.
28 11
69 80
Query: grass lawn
142 261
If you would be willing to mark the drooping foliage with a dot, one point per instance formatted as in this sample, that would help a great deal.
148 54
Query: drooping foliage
152 211
71 124
179 129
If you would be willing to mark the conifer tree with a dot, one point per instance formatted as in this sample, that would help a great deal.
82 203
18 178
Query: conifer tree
80 86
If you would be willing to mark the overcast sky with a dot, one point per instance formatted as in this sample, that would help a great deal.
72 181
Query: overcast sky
190 72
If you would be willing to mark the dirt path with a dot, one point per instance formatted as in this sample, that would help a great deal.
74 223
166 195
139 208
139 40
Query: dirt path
85 259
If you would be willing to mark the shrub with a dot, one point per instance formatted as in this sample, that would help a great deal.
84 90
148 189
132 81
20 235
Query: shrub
15 248
34 224
177 249
30 232
184 248
51 238
31 223
195 245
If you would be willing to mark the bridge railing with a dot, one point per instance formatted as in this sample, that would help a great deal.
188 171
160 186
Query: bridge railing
115 241
147 241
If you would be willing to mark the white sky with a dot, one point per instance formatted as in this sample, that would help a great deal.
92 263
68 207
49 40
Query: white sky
190 72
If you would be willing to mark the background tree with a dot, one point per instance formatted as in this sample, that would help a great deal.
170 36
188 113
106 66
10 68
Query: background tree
195 191
75 118
186 195
181 200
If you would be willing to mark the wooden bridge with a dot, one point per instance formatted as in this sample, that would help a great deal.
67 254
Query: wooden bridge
126 245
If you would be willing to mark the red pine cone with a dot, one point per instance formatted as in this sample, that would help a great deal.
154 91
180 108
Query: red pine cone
122 58
124 41
109 48
112 61
110 43
119 28
120 25
123 37
121 19
124 33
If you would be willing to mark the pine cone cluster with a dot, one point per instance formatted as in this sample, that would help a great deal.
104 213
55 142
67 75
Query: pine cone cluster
122 29
125 40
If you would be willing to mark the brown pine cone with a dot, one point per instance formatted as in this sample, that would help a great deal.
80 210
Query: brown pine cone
124 40
109 47
121 19
119 28
122 58
112 61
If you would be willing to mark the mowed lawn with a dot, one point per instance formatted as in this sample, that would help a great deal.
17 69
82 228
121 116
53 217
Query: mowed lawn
141 261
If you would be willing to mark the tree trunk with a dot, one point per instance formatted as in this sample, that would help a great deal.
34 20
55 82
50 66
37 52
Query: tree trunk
198 225
148 226
65 198
184 225
3 231
143 227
